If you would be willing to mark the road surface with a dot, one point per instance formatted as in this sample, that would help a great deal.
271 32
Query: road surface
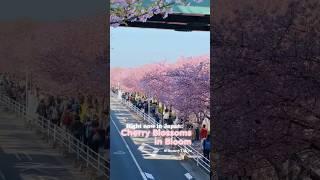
139 158
25 156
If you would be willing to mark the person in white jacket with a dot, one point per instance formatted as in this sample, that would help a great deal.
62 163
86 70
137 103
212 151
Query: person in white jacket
206 122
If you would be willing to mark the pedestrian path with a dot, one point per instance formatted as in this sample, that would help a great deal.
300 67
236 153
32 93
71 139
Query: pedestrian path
146 145
151 159
25 156
196 145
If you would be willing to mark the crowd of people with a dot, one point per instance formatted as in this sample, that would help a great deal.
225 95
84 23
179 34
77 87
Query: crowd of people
200 135
12 88
79 115
83 116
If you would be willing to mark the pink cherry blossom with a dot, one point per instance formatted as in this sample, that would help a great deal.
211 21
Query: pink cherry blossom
184 85
134 10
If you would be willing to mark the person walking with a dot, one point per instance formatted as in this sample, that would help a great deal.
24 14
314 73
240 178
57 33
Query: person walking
77 128
83 111
41 109
67 118
197 131
203 132
95 140
87 130
166 116
54 114
206 147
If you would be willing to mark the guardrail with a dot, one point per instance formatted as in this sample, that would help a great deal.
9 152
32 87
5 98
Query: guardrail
60 136
190 151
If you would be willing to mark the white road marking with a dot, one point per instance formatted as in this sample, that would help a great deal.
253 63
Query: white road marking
163 157
149 176
2 176
188 175
127 146
119 152
142 149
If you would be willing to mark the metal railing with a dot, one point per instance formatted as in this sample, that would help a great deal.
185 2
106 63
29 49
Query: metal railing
60 136
189 150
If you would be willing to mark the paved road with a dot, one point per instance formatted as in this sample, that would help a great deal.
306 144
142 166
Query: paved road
128 161
24 156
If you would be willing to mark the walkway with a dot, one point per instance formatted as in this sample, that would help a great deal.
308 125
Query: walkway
137 158
24 156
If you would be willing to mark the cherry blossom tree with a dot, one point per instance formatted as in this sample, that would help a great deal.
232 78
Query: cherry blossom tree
129 79
123 11
63 58
184 85
14 47
73 56
265 69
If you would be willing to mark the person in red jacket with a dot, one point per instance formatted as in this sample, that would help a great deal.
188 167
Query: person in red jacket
203 132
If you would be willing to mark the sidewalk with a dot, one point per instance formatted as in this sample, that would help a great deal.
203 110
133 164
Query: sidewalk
196 146
154 160
25 156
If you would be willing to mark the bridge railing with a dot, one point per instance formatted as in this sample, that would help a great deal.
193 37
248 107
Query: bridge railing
60 136
190 151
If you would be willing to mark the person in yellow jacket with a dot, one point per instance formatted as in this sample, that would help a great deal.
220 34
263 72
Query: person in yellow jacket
83 112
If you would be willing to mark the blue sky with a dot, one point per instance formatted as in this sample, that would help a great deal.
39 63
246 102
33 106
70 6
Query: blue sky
132 47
